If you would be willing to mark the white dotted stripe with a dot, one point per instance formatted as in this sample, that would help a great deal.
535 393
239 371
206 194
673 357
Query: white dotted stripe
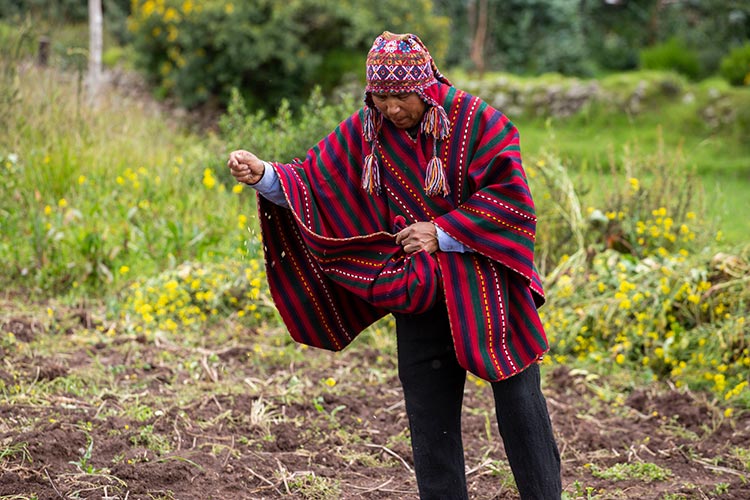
509 208
464 140
504 334
361 277
304 193
400 204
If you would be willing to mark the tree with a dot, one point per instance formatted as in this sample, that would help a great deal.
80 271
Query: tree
478 19
95 49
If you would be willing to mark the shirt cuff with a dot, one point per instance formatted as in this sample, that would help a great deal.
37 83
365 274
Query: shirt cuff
448 243
269 186
267 179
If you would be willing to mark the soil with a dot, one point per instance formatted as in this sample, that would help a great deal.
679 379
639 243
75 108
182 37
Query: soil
274 430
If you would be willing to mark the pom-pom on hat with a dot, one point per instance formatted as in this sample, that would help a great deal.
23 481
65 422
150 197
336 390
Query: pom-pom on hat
396 64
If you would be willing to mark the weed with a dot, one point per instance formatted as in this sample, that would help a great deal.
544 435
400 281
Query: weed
501 470
580 492
320 408
643 471
721 488
147 438
83 464
742 455
313 487
16 451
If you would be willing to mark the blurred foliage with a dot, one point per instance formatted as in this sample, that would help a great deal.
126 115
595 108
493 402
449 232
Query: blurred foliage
69 12
284 136
15 40
544 36
198 51
672 55
735 67
536 36
64 10
269 50
524 36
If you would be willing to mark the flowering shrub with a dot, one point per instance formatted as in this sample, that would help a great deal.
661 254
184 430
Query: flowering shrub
676 316
270 50
630 282
195 293
653 212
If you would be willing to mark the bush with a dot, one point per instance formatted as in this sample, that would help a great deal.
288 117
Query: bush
269 50
735 66
284 136
186 297
672 55
639 287
60 12
67 10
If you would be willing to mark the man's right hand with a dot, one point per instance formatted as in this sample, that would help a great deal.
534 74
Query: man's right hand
245 166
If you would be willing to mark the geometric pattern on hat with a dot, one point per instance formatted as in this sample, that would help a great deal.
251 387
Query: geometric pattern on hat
398 63
401 64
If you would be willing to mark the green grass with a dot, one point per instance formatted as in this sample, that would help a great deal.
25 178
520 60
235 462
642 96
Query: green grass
641 471
703 126
589 143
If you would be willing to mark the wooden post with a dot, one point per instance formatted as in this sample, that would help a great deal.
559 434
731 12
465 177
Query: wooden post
43 54
478 18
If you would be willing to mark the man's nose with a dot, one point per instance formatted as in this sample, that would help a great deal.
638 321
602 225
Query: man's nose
393 108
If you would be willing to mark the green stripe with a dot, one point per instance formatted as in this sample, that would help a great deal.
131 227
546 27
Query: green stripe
412 175
506 313
478 307
496 138
475 126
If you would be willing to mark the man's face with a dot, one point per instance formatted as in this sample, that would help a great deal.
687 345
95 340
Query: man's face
404 110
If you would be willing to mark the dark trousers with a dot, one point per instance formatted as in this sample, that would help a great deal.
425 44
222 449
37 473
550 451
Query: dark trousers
433 384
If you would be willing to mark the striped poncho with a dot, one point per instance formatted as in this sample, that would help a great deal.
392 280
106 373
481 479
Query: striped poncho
333 264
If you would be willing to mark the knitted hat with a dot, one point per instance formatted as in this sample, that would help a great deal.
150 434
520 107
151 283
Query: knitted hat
399 64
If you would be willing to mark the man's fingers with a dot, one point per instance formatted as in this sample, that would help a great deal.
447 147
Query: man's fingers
402 235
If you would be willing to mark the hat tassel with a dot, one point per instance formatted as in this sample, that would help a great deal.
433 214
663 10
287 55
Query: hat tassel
370 168
435 181
371 173
436 123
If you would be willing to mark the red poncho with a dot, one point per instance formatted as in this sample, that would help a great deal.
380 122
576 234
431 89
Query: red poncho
333 264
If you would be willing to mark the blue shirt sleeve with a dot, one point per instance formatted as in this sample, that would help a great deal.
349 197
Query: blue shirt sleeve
448 243
269 187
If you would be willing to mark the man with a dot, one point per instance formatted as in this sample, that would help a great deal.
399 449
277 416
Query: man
442 170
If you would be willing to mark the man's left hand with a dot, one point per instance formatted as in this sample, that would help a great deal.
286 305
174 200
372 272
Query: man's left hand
418 236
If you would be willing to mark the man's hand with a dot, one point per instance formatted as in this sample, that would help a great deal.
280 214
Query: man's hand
418 236
245 166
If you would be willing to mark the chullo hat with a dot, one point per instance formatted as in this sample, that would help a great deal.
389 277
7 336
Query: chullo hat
396 64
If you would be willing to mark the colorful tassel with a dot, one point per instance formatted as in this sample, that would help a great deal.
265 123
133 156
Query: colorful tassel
371 174
436 123
435 181
370 169
371 125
